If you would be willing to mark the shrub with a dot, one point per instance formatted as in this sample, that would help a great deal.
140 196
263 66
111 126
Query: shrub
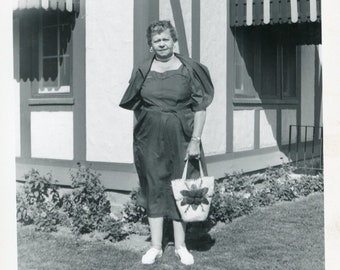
308 184
138 228
132 212
279 190
265 197
238 194
86 208
228 204
134 216
40 202
115 230
87 205
24 211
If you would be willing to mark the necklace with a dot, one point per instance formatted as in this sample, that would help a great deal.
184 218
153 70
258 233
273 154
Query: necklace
166 59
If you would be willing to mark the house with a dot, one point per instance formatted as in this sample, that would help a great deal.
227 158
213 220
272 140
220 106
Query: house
73 60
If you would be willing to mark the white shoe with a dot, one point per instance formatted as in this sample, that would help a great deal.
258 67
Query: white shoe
151 255
184 255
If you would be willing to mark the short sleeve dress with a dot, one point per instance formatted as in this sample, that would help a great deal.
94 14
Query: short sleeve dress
161 137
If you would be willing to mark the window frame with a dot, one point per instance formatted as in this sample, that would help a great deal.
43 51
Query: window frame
255 97
53 98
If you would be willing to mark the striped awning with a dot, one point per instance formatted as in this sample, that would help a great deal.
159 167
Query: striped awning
63 5
264 12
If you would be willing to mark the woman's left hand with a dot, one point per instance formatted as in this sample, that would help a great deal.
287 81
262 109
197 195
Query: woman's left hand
193 150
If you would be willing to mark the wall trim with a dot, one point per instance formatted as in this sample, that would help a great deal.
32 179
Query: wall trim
317 91
279 126
123 167
257 101
179 21
50 101
25 119
79 85
257 129
196 29
144 12
298 85
118 180
230 84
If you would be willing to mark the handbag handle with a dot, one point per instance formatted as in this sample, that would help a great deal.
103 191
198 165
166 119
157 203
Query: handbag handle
184 175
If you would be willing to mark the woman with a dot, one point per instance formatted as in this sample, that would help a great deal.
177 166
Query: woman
169 94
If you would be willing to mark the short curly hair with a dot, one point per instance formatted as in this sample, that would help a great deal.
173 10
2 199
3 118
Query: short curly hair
159 27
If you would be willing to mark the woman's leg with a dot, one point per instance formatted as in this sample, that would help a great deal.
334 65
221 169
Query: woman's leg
156 228
179 233
180 247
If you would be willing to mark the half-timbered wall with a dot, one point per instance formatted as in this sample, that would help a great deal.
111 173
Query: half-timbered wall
201 26
108 40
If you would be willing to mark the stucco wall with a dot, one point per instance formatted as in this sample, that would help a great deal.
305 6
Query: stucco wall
268 127
243 134
52 135
109 61
214 54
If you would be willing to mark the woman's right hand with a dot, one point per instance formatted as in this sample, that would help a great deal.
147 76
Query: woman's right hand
193 150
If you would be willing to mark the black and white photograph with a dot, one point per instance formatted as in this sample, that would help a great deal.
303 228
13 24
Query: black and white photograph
170 134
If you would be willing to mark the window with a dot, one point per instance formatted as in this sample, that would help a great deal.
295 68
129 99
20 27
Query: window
55 62
46 52
265 65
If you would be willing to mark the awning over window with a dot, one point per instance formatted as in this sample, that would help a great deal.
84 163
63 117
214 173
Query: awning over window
68 5
262 12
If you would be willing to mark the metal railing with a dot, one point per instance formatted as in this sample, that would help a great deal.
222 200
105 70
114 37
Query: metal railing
304 147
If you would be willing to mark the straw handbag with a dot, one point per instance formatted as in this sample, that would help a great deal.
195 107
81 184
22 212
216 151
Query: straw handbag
193 196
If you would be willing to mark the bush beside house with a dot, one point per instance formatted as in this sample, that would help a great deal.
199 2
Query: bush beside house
86 208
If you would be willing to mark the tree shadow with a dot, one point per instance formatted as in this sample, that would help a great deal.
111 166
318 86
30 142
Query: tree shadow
277 90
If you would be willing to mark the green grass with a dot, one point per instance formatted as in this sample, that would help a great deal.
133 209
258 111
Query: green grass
288 235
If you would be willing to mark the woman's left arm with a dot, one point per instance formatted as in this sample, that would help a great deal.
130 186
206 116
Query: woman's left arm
194 145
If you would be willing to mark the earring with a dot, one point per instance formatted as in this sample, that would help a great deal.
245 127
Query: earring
151 49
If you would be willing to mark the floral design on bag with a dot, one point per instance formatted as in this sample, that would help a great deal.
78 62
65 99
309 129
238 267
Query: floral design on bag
194 196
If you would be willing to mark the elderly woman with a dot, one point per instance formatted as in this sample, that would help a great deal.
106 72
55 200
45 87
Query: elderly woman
169 94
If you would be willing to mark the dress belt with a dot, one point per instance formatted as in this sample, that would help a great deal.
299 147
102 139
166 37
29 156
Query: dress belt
175 110
183 113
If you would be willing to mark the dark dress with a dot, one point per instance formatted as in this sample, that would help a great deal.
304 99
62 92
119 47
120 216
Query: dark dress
165 105
160 142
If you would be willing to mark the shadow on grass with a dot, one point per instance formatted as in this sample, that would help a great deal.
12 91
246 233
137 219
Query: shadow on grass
197 236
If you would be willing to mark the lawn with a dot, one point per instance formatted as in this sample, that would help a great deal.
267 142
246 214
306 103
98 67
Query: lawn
288 235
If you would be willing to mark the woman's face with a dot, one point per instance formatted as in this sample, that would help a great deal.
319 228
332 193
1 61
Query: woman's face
162 44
